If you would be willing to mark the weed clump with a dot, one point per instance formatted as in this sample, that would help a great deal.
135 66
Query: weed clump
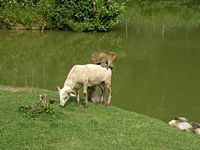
42 108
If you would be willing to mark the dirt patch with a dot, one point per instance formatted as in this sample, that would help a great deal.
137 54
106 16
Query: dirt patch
15 89
19 26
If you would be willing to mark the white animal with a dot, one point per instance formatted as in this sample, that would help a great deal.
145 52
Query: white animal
181 123
86 76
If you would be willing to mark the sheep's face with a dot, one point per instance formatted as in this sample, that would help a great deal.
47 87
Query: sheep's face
64 95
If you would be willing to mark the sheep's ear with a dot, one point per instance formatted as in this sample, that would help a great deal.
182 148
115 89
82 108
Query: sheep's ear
72 93
58 88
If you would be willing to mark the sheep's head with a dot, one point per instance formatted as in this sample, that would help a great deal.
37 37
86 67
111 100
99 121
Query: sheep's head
64 94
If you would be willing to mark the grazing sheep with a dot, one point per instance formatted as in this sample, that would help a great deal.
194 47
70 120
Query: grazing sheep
85 75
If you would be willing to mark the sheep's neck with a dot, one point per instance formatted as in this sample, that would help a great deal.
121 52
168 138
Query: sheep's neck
70 83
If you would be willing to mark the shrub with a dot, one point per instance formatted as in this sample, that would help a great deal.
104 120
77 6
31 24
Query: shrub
77 15
22 12
92 15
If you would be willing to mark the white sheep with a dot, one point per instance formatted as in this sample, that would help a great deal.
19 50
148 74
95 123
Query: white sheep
86 76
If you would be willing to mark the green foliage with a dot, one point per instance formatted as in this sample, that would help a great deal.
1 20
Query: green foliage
14 12
93 15
78 15
36 110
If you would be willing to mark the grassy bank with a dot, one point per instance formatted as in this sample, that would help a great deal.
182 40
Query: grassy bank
98 127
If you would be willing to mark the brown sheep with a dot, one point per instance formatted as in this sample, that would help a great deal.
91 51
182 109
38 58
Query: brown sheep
104 58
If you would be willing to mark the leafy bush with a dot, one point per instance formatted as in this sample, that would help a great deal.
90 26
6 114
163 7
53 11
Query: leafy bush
24 13
77 15
90 15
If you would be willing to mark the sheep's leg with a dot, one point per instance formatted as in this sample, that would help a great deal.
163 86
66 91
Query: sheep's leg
91 93
78 97
102 87
110 93
85 86
109 63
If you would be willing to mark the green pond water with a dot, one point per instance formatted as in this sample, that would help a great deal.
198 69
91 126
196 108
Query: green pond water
157 72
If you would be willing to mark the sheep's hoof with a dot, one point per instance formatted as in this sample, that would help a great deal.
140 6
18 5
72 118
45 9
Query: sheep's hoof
107 104
77 104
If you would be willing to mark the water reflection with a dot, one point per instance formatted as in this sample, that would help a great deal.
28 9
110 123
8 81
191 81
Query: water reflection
43 60
156 74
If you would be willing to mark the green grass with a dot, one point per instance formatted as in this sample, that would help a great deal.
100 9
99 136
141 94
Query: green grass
98 127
